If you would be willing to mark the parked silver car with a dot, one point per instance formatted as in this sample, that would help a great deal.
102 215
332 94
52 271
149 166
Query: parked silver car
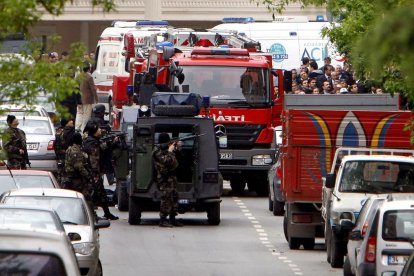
75 216
40 136
16 179
35 241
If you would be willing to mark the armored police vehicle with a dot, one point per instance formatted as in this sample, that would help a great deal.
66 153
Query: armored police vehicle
200 183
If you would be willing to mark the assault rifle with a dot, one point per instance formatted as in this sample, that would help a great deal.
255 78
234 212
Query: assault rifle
175 140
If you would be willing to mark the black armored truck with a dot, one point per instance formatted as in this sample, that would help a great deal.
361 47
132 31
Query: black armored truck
200 183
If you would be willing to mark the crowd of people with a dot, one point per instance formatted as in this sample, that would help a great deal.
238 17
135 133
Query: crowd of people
327 79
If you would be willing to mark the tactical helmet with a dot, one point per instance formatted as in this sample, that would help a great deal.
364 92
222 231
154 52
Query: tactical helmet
99 108
163 138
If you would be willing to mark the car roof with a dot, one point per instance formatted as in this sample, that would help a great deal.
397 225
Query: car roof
25 172
34 118
44 192
387 158
22 107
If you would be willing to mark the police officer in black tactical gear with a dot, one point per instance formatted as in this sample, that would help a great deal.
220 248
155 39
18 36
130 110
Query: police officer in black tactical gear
94 149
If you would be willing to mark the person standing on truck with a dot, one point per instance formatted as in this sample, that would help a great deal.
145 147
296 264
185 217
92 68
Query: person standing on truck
14 144
166 163
89 97
93 147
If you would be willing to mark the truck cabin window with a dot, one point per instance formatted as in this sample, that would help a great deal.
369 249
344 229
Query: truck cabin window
227 85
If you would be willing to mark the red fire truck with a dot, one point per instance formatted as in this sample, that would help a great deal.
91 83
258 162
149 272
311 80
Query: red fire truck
240 88
313 127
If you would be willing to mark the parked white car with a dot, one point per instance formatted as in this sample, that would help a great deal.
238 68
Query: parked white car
387 244
75 216
35 240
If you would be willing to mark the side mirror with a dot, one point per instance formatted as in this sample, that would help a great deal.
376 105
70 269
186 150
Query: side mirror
346 225
167 53
330 180
74 236
355 235
102 223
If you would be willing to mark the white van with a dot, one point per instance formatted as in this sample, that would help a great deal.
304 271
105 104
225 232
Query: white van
110 56
289 39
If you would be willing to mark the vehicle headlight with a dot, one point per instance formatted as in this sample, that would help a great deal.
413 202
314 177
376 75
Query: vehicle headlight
84 248
143 108
261 160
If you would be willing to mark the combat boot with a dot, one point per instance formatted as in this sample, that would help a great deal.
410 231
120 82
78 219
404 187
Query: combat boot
164 222
174 222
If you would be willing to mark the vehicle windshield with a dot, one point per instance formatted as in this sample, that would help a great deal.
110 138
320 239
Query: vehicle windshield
27 219
227 85
377 177
70 210
23 263
26 181
398 225
38 127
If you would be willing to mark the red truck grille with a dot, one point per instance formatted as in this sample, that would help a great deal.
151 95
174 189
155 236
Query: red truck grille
242 136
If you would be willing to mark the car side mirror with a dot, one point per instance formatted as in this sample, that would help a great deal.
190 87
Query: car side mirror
330 180
102 223
346 225
356 235
74 236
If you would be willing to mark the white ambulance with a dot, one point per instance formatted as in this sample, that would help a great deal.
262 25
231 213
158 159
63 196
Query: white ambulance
289 39
110 57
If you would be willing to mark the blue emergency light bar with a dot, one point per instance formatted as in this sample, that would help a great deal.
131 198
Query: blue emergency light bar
161 45
238 19
152 23
320 18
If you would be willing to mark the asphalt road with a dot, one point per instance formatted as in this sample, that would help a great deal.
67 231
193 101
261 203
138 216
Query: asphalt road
248 241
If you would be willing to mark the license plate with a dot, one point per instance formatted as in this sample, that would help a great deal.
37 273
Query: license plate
32 146
183 201
397 260
226 156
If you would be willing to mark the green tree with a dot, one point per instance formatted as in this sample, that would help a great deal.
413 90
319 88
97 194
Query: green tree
21 75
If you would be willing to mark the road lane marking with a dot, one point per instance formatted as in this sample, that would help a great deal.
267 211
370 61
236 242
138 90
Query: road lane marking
263 238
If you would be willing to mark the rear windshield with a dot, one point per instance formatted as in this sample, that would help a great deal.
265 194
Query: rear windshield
25 181
70 210
16 264
35 127
377 177
27 219
398 225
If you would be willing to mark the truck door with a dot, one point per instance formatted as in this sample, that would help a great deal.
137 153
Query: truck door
142 167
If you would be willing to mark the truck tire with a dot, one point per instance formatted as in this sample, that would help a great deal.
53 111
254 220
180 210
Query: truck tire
328 242
175 110
123 204
270 203
237 184
337 255
259 184
285 222
213 213
294 243
308 243
278 208
347 267
134 215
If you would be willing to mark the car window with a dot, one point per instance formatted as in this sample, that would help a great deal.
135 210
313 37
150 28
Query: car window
398 225
362 213
22 263
27 219
70 210
7 185
35 127
367 211
26 181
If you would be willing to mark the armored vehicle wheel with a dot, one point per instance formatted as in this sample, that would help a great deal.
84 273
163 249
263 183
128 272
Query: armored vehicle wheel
308 243
175 110
237 184
134 217
213 213
123 204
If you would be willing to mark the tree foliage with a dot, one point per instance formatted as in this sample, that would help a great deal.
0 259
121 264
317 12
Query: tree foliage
22 75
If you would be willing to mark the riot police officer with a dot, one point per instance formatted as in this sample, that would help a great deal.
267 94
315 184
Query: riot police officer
14 144
166 163
92 146
77 169
63 139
